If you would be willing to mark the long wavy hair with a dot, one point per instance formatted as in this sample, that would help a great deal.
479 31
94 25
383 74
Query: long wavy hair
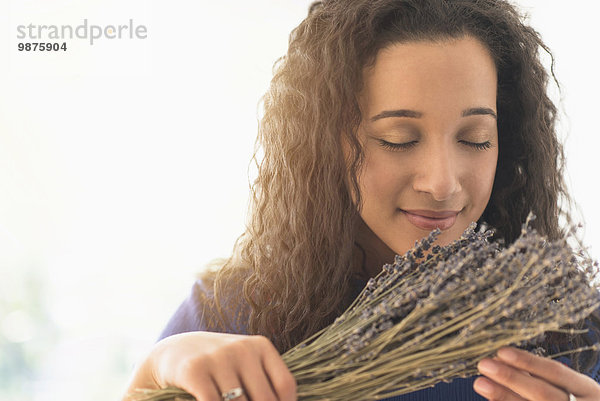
290 272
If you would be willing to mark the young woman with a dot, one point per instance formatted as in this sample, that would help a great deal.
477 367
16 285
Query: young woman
385 119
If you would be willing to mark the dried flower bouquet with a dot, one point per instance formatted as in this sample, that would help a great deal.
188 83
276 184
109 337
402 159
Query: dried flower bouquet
436 312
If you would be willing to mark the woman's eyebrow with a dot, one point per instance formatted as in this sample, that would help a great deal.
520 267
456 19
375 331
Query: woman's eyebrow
417 114
397 113
479 111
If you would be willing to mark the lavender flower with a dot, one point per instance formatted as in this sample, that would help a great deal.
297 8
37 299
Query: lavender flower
435 312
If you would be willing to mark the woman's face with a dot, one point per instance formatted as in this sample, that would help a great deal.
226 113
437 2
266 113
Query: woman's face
430 140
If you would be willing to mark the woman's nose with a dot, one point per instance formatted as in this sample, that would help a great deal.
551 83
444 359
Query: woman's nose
438 175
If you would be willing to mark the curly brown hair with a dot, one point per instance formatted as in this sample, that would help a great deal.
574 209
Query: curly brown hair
293 260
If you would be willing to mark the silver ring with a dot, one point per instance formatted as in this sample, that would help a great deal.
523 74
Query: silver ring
233 393
572 397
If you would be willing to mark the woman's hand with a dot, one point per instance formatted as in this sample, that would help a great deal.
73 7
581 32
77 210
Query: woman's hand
517 375
207 364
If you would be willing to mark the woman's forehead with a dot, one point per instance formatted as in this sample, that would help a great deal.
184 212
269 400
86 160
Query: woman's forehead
427 75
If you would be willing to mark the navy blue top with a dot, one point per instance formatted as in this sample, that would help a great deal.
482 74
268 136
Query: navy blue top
191 316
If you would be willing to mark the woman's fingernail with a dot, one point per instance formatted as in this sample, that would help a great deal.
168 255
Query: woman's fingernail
483 386
507 354
487 366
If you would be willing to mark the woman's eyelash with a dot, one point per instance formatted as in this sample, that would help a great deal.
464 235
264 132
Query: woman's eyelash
403 146
397 146
479 146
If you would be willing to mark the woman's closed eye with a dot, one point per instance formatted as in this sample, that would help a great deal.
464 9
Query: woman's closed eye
478 145
407 145
397 146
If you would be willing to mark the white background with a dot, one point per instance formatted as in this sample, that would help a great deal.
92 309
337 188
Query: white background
124 168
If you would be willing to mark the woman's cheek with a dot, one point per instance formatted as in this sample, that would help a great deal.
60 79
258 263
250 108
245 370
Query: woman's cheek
480 181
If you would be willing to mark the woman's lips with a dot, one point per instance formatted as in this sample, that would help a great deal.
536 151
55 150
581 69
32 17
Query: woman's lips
429 219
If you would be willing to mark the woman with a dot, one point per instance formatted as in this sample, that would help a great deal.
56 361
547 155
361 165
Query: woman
386 119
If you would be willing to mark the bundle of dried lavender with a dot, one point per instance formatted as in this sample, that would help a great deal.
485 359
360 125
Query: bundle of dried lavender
436 312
